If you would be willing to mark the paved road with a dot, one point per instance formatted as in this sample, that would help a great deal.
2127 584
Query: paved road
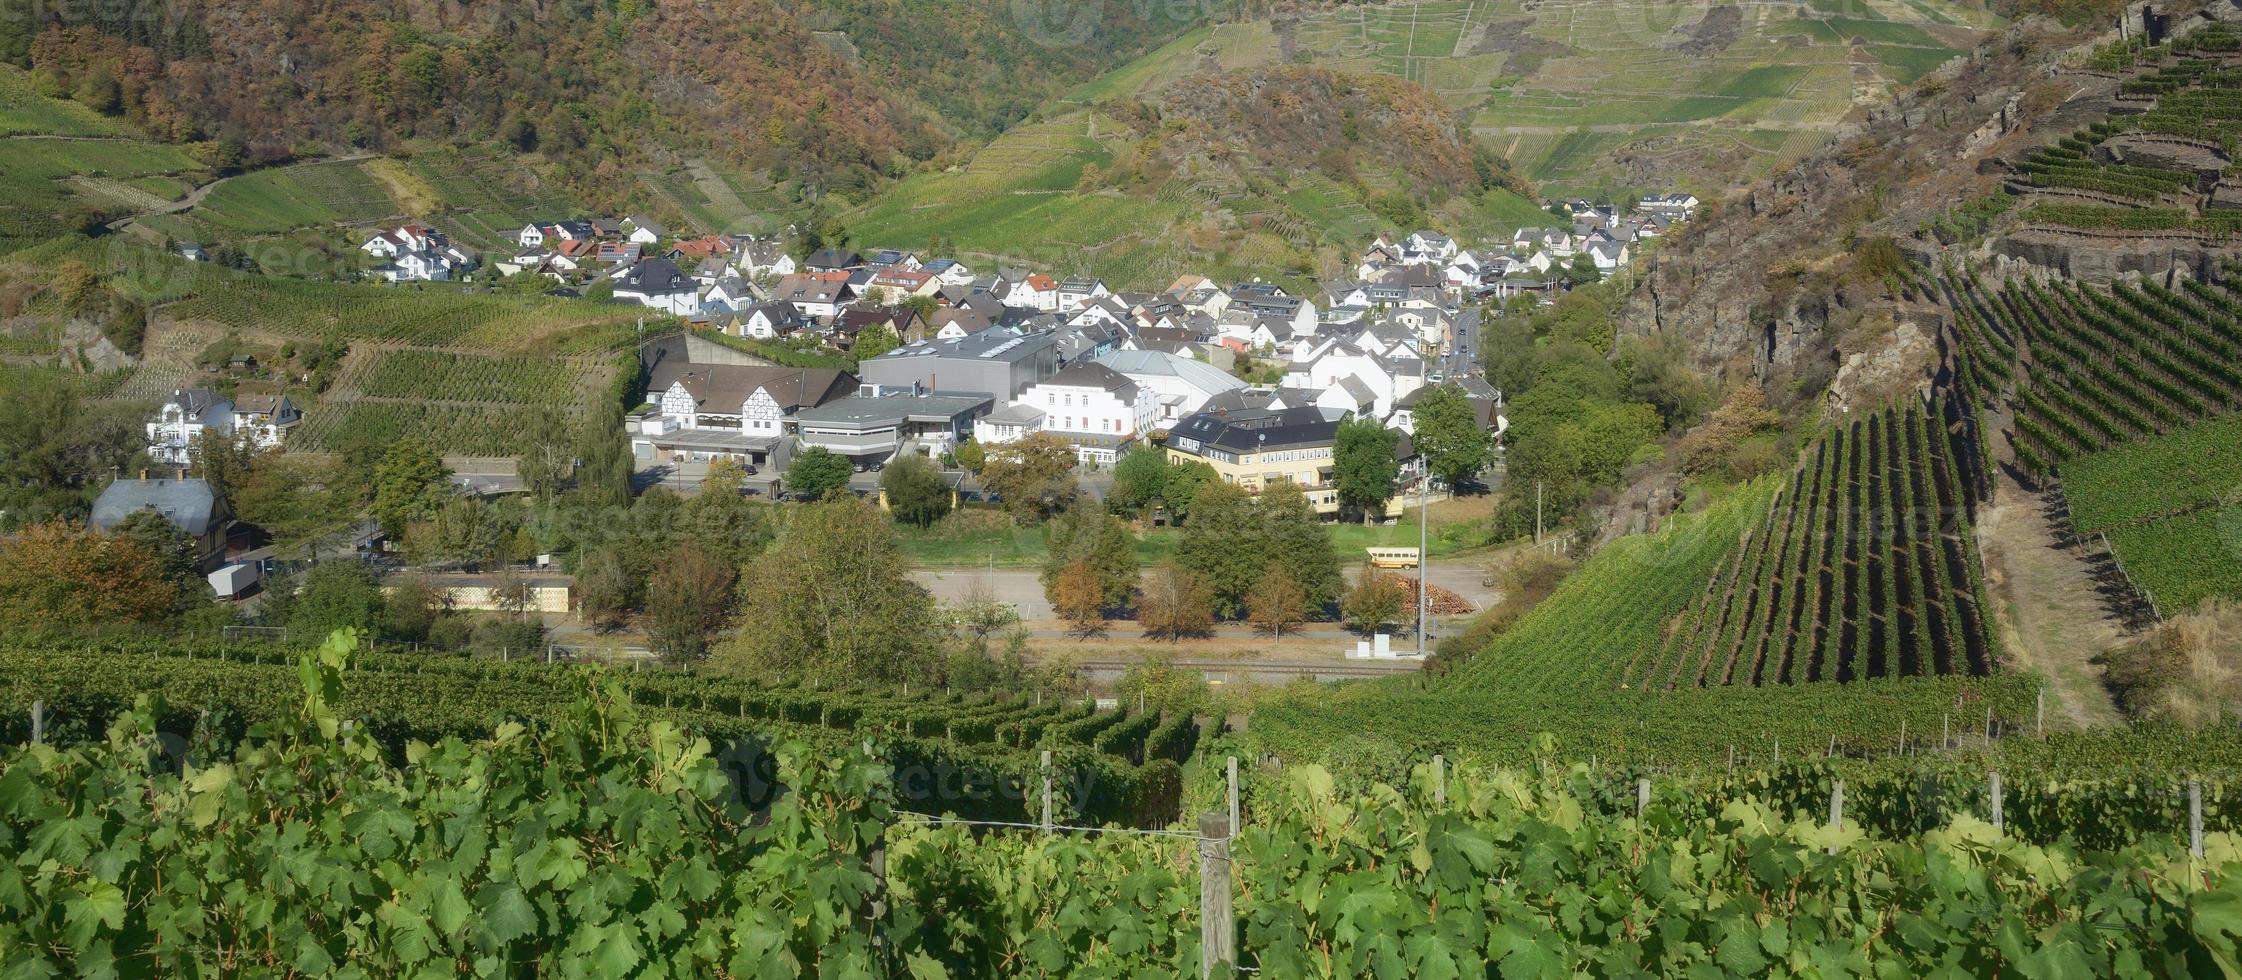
1463 355
1023 587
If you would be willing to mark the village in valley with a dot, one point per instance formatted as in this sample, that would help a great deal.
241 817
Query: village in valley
1252 380
1404 489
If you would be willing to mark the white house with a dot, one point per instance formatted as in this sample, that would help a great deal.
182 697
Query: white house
1074 293
184 418
769 321
659 284
1427 247
730 292
190 412
419 266
531 236
1094 408
1608 255
814 294
644 231
1382 380
1178 385
759 258
1011 423
1037 292
951 271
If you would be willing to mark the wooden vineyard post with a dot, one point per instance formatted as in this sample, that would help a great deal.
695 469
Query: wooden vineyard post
1993 789
1732 761
1832 753
1642 796
1902 737
1778 752
1440 780
1233 794
2039 714
2195 818
1046 791
1217 934
1836 809
38 722
1946 730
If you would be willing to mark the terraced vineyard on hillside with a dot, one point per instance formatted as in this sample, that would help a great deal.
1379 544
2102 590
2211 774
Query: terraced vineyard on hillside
2156 162
2089 367
1865 567
469 404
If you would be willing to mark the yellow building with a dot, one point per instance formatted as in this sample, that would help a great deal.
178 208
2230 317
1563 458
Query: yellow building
1257 448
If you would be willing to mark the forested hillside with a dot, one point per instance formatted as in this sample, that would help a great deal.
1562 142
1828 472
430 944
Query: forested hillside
591 83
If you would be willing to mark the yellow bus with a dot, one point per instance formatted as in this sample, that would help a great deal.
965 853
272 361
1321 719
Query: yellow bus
1393 557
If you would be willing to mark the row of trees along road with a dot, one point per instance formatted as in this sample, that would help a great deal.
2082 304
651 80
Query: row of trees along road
1266 560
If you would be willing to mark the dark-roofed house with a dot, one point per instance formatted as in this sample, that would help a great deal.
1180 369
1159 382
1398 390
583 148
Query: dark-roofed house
1255 449
190 505
877 426
659 284
992 362
265 416
1079 291
833 260
767 321
903 321
1096 409
189 412
183 419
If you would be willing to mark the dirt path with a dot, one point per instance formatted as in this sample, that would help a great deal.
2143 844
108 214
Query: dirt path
2048 612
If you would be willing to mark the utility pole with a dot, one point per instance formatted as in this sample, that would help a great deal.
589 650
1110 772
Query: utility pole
1424 488
1537 511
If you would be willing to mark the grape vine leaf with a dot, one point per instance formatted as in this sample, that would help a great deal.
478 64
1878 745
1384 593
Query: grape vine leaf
507 915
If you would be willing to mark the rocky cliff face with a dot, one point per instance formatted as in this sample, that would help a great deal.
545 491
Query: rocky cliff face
1781 282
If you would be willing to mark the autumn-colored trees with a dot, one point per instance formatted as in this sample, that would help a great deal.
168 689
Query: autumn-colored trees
1078 598
1174 603
1035 475
688 598
1086 534
1276 605
59 576
1375 601
832 600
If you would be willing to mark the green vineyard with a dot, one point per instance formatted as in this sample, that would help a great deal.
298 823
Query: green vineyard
1124 763
444 376
2086 368
2182 102
469 404
463 429
600 843
1865 566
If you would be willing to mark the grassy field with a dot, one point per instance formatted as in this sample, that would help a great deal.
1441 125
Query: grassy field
269 202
